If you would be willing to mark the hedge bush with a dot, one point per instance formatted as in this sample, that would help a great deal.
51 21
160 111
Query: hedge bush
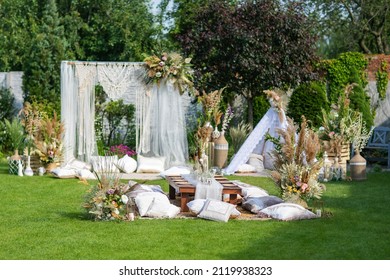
308 100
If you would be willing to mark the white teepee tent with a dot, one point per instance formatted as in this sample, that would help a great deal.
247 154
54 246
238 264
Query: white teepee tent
256 143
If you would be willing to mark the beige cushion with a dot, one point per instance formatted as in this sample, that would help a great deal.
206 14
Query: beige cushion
216 210
127 164
287 212
150 164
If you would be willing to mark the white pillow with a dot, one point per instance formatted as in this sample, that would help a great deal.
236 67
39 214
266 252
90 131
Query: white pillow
145 199
175 171
86 174
253 192
78 164
246 168
196 205
150 164
287 212
104 163
64 173
162 209
216 210
127 164
257 162
158 208
248 190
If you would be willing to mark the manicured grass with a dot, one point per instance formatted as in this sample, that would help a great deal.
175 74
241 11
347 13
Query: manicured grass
42 218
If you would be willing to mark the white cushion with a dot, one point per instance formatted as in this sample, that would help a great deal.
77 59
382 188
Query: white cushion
145 199
246 168
257 162
127 164
158 208
162 209
216 210
104 163
150 164
86 174
64 172
78 164
248 190
196 205
175 171
287 212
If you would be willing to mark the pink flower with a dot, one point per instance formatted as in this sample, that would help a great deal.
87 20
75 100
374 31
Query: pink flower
331 134
304 187
161 63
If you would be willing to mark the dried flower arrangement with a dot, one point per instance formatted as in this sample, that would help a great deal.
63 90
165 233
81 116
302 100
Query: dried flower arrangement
107 200
296 166
44 133
170 66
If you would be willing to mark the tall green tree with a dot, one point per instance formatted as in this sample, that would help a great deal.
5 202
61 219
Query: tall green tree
115 30
250 46
361 25
16 17
41 66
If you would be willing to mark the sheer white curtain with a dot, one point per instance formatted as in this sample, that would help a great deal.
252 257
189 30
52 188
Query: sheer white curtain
164 131
160 110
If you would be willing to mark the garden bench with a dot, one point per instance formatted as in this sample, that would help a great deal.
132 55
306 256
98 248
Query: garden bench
379 140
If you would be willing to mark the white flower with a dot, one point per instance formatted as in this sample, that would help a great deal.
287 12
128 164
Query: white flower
158 74
124 199
116 211
321 128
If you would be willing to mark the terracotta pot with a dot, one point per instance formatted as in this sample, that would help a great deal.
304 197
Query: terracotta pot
16 156
358 166
221 147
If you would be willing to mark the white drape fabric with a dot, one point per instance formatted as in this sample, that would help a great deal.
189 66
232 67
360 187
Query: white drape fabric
164 132
255 143
160 111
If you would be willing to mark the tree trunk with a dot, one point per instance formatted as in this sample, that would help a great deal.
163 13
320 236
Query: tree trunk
362 43
379 44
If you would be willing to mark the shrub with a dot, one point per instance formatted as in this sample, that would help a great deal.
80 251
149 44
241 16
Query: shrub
308 100
7 98
260 107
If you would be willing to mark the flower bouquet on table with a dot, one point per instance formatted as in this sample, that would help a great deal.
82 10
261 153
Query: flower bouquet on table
169 66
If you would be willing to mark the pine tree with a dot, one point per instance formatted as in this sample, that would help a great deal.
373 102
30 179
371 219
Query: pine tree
41 80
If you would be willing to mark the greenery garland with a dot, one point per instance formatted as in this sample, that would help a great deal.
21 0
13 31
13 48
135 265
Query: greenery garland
382 80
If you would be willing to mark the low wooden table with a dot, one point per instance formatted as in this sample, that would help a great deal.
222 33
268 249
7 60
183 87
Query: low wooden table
178 185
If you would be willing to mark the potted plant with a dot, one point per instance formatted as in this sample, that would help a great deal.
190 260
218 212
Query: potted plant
360 137
15 133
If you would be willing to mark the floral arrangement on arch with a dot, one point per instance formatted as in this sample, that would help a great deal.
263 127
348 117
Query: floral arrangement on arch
170 66
296 165
276 98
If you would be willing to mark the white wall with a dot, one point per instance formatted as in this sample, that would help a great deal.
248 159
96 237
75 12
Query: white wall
13 81
382 117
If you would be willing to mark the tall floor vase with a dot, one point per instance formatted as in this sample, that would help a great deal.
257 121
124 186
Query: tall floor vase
358 165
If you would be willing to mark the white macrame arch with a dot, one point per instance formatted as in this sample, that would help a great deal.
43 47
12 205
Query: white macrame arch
160 111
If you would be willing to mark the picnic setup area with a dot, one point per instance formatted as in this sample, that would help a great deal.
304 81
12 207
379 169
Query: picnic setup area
219 130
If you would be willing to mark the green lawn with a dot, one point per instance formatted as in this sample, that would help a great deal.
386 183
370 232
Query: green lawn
42 219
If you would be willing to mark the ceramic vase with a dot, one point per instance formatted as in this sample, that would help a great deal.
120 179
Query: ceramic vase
28 171
358 165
